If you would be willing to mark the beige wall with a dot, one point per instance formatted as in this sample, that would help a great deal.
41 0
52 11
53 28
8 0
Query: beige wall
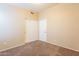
63 25
12 25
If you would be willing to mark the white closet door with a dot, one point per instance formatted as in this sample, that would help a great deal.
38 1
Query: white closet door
31 30
43 30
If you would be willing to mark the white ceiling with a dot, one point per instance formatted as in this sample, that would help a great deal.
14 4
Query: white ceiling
36 7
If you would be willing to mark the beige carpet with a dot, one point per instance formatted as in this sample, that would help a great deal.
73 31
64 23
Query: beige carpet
39 48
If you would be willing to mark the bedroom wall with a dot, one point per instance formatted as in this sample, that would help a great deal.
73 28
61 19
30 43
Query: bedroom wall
12 25
62 25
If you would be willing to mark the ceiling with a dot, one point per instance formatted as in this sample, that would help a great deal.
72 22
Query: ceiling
36 7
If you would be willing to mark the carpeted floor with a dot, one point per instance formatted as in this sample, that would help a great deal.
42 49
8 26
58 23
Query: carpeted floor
39 48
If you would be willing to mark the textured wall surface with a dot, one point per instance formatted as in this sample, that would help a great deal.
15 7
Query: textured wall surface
12 25
63 25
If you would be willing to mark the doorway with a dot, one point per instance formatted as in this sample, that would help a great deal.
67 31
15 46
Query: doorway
43 30
31 30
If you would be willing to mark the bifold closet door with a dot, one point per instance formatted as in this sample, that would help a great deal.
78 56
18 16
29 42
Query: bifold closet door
43 30
31 30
